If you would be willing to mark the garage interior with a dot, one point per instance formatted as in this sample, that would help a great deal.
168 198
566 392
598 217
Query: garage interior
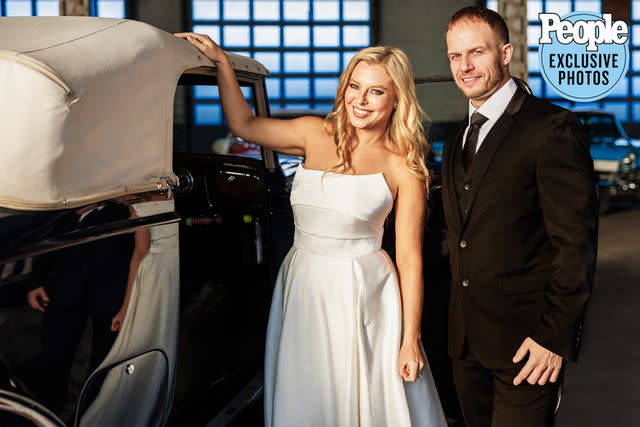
602 388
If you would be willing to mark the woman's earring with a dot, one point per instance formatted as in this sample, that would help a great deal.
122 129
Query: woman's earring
395 105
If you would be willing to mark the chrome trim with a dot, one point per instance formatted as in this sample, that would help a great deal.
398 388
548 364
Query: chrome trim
30 410
231 176
185 182
95 233
242 401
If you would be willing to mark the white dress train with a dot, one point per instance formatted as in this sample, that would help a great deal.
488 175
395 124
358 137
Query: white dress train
336 319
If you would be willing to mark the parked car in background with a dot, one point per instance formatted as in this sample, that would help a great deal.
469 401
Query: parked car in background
615 158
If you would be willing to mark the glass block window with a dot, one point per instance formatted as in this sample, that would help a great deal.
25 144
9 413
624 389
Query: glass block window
102 8
109 8
305 44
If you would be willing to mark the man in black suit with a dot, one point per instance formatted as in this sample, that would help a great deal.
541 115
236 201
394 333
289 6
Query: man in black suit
520 205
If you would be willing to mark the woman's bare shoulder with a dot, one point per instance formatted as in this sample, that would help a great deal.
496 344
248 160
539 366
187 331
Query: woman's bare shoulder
401 173
396 164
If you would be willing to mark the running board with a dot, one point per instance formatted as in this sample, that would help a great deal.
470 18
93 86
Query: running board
242 401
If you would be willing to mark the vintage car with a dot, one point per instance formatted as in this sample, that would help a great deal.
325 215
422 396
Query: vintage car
136 262
616 158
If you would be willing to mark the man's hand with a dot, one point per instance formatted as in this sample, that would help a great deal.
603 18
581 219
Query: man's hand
38 299
543 365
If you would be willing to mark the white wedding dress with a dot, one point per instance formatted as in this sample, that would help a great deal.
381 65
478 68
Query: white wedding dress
336 320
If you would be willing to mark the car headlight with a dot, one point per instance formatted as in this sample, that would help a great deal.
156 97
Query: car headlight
629 161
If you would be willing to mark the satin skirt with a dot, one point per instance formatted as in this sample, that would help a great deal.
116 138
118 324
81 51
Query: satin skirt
333 339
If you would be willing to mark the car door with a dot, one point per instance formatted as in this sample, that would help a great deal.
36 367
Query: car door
230 190
64 277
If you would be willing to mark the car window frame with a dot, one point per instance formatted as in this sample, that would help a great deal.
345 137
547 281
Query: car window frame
256 82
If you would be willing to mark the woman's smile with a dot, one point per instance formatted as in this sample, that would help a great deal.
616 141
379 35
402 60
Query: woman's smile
370 97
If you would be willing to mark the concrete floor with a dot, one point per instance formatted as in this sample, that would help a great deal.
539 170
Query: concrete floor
603 388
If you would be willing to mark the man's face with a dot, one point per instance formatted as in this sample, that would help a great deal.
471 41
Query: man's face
478 62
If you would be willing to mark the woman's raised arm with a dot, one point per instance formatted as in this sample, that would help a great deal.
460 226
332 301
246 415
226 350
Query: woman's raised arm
287 136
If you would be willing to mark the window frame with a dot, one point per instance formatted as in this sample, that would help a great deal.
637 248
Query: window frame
209 77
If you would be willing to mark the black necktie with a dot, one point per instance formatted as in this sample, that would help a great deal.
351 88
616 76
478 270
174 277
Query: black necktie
469 150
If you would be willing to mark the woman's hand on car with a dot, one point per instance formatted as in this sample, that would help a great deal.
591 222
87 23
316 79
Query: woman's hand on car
204 43
285 136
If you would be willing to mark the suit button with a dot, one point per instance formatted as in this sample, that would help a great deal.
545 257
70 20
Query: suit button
463 244
465 282
467 187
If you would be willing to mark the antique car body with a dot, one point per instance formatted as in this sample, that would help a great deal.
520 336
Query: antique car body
136 264
615 158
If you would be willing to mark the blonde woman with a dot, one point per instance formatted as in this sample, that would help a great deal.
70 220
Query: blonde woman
343 343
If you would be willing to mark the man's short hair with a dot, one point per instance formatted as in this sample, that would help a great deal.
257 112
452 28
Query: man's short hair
476 13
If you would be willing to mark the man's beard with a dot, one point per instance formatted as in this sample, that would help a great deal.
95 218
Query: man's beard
486 90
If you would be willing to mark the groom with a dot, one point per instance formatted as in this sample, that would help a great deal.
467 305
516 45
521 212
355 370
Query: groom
520 205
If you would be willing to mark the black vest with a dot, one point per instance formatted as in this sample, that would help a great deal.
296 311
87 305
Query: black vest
463 180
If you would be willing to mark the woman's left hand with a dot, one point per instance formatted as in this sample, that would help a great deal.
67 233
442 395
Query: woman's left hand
411 361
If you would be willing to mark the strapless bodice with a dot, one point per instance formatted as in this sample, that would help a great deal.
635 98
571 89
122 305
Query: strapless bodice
338 214
335 325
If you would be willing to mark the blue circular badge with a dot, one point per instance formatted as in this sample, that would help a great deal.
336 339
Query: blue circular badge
580 72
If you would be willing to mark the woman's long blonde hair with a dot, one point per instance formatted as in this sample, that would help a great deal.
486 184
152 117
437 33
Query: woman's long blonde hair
405 133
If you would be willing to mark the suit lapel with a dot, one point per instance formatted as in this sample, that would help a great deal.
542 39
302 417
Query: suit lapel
490 145
450 148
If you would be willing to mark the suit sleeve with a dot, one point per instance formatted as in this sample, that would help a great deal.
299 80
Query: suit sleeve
567 192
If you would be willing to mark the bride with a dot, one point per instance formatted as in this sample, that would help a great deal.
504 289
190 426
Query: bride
343 342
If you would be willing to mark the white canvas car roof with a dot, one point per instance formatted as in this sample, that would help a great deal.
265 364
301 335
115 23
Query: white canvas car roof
86 108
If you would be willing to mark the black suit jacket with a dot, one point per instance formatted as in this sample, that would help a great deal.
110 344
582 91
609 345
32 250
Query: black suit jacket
529 236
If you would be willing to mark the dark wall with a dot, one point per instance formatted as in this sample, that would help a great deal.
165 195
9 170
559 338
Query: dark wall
417 27
165 14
